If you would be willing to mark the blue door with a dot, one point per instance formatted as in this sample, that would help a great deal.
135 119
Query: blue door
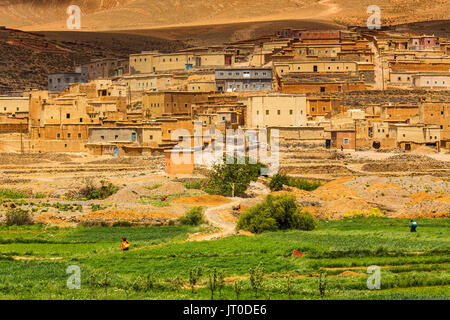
133 136
116 152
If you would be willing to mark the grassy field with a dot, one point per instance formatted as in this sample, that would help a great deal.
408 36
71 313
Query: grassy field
34 259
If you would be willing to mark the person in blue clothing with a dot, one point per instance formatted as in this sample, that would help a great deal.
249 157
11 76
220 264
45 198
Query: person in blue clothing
413 226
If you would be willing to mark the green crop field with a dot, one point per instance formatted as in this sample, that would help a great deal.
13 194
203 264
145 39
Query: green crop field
34 260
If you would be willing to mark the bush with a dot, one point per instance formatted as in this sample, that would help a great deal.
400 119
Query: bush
194 184
232 179
18 217
193 217
11 194
39 195
122 223
374 213
277 182
276 213
303 184
305 221
90 192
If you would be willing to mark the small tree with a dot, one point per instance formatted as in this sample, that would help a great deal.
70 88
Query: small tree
256 278
220 282
289 287
233 178
322 283
237 288
213 281
194 275
277 182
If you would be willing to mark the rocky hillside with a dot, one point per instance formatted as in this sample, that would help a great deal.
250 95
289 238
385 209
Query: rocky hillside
27 58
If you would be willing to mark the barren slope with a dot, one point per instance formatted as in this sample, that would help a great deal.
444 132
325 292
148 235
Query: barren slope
143 14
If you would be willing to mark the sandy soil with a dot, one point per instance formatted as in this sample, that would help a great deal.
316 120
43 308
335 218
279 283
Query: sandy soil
149 196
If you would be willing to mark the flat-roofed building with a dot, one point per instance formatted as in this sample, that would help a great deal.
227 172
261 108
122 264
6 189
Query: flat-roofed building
57 82
244 79
276 109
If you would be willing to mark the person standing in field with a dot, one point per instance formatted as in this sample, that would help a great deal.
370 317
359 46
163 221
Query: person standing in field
125 244
413 226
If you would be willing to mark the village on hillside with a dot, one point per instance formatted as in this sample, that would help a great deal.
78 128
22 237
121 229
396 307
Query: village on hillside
115 169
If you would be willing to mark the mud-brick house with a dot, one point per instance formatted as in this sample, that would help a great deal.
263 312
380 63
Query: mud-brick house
104 68
410 137
170 103
322 107
423 43
437 113
276 109
345 137
319 83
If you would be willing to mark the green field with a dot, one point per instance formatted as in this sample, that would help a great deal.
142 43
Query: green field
34 259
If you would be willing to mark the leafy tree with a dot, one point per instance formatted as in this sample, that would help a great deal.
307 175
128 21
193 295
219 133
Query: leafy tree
276 213
232 179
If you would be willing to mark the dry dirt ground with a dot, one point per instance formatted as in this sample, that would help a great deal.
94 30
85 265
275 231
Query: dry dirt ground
399 185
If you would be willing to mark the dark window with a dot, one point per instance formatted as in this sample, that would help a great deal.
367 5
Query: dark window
68 115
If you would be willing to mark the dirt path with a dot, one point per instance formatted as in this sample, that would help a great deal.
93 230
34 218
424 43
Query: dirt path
225 228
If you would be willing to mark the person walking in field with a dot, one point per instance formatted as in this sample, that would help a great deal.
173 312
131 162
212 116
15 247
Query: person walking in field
125 244
413 226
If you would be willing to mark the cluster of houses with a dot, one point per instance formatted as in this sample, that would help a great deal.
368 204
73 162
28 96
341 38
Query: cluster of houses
293 81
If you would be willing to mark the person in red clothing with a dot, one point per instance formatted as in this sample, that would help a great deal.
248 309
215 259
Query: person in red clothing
125 244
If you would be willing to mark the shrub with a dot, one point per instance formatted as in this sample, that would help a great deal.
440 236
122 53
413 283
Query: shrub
232 179
11 194
374 213
303 184
90 192
193 217
18 217
277 182
39 195
276 213
122 223
305 221
194 184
